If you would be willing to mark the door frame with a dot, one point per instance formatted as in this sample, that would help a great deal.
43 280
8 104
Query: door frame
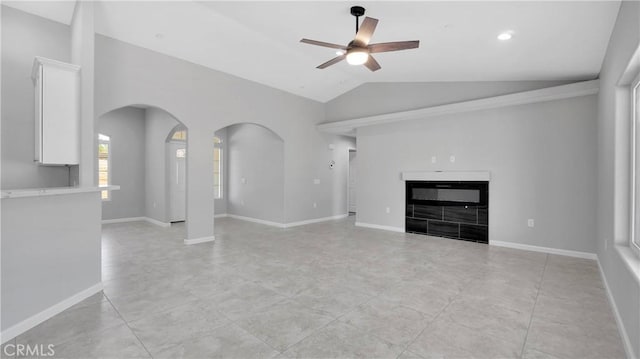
349 150
169 177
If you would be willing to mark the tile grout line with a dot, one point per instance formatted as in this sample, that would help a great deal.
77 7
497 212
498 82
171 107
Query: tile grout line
127 324
526 337
332 321
432 321
286 298
425 328
234 322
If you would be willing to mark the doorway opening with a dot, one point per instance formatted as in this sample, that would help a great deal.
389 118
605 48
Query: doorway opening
131 152
352 180
176 150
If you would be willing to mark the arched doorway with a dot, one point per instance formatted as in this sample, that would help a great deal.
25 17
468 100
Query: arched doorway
251 173
176 150
136 161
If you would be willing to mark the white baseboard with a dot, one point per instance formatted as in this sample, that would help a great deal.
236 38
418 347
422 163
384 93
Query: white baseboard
157 223
255 220
377 226
221 215
528 247
287 225
315 220
36 319
623 333
137 219
123 220
199 240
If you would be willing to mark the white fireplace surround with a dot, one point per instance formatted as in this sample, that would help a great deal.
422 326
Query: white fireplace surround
446 176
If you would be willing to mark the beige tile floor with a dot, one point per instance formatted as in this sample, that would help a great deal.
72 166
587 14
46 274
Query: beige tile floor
331 290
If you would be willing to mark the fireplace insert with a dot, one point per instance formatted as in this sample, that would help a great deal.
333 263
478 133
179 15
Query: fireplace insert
451 209
448 193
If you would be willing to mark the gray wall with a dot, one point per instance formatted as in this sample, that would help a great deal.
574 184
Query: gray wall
25 36
83 54
378 98
205 101
126 129
158 125
613 171
47 263
541 158
338 175
256 155
139 162
263 192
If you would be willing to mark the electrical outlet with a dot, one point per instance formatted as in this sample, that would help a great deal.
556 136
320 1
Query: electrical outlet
242 202
315 205
434 159
388 209
530 223
316 181
452 158
243 180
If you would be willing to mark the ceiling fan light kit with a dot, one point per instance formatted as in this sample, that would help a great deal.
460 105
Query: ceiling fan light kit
357 56
358 51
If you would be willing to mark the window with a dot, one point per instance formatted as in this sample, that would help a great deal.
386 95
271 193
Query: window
635 166
104 164
217 167
179 135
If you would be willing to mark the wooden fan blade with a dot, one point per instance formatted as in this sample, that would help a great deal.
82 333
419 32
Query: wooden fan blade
372 64
365 32
333 61
324 44
393 46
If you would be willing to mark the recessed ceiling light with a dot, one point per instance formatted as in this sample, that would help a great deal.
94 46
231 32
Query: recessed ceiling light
505 36
339 52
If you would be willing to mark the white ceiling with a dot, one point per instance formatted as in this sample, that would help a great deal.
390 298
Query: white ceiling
259 40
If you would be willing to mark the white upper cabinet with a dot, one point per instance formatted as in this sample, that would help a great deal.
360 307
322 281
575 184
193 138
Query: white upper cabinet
57 112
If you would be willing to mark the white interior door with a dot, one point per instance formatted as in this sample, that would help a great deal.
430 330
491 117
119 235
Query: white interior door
176 178
352 181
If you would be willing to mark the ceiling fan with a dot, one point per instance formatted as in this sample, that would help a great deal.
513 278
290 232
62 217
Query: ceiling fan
358 51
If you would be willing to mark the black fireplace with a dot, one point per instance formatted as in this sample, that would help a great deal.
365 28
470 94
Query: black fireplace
451 209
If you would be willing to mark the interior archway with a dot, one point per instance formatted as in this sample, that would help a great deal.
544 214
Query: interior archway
137 162
252 180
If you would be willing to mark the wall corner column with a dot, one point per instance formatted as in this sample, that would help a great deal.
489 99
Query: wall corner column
83 54
200 192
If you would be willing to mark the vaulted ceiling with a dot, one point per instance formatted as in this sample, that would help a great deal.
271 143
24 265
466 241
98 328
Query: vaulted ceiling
259 41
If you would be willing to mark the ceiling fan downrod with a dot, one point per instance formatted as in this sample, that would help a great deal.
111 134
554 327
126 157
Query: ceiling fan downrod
357 11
